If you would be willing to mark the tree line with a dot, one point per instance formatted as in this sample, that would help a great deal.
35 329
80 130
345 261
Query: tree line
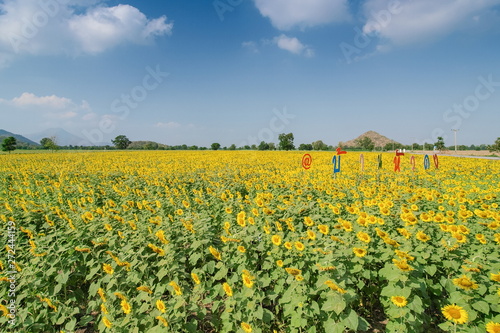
286 142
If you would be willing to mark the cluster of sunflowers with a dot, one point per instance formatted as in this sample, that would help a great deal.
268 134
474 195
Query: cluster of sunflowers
249 242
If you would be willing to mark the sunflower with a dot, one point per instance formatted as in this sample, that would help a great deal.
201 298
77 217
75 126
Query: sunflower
104 310
101 293
323 229
299 246
246 327
4 310
227 289
421 236
311 235
465 283
359 252
162 320
106 322
363 236
495 277
299 278
276 239
332 285
455 313
492 327
107 269
247 280
161 306
402 265
279 263
481 238
215 253
399 301
195 278
288 245
293 271
176 287
145 289
241 249
126 306
308 221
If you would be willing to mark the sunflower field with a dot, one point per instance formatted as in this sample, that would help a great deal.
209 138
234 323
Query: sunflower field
238 241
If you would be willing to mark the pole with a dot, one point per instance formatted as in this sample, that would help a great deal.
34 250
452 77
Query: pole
455 134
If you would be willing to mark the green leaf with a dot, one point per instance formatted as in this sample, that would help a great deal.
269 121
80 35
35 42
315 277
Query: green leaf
70 326
431 269
161 273
331 326
221 274
352 321
258 313
335 303
481 306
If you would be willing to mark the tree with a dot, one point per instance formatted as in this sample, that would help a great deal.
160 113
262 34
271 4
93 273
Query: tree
495 146
286 141
215 146
49 143
319 145
440 143
232 147
263 146
9 144
121 142
366 143
272 146
305 146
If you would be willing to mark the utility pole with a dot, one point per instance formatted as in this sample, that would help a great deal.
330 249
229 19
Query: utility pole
455 133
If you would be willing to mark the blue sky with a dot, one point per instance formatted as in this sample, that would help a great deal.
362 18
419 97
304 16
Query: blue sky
243 71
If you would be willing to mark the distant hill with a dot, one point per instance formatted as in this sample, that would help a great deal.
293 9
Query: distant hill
20 139
63 137
378 139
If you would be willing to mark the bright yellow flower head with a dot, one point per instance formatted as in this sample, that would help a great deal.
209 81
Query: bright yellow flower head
455 313
399 301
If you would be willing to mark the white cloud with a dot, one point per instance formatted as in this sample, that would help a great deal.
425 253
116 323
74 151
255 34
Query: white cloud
53 107
416 21
104 27
170 125
293 45
29 99
286 14
72 27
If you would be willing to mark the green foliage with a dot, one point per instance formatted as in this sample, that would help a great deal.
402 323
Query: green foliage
496 146
366 143
263 146
121 142
9 144
286 141
215 146
305 146
440 143
49 143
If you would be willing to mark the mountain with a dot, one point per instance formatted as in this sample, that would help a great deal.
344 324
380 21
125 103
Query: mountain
378 139
20 139
63 137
